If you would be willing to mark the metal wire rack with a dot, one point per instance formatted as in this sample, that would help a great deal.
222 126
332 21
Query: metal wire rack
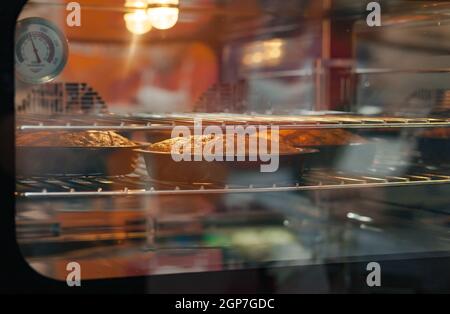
167 122
139 184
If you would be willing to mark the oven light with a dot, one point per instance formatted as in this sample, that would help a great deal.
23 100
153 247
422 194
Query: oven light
136 4
137 22
163 14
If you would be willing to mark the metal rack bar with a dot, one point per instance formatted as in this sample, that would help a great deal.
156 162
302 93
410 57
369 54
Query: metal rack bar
134 185
130 123
388 70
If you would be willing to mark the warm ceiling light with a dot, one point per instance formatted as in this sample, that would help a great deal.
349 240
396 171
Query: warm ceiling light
138 22
163 14
136 4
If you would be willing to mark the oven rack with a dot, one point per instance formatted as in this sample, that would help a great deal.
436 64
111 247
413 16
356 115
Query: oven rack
167 122
141 185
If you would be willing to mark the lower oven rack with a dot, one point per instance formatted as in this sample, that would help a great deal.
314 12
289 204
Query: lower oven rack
139 184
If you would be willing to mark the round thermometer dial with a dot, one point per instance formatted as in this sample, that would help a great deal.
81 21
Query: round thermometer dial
41 50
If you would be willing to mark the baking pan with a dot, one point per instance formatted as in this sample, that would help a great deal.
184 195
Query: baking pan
352 157
46 161
434 151
162 167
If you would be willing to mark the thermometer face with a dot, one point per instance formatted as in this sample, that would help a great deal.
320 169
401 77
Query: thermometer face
41 50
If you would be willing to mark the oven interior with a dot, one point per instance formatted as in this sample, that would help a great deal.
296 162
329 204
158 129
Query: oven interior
295 64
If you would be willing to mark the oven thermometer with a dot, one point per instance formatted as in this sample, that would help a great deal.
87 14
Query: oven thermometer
41 50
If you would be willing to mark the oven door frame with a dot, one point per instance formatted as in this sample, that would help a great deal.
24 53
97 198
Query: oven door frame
411 274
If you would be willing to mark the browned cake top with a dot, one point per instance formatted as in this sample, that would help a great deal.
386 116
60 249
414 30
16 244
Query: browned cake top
73 139
192 142
322 137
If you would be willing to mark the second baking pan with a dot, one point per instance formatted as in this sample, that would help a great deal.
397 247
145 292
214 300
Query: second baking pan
434 151
82 161
350 158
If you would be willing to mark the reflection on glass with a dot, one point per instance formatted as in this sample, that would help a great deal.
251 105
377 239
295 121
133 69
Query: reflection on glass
163 14
137 22
263 53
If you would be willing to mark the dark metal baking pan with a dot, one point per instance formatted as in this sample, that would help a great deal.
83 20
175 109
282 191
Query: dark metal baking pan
162 167
434 151
352 157
55 161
